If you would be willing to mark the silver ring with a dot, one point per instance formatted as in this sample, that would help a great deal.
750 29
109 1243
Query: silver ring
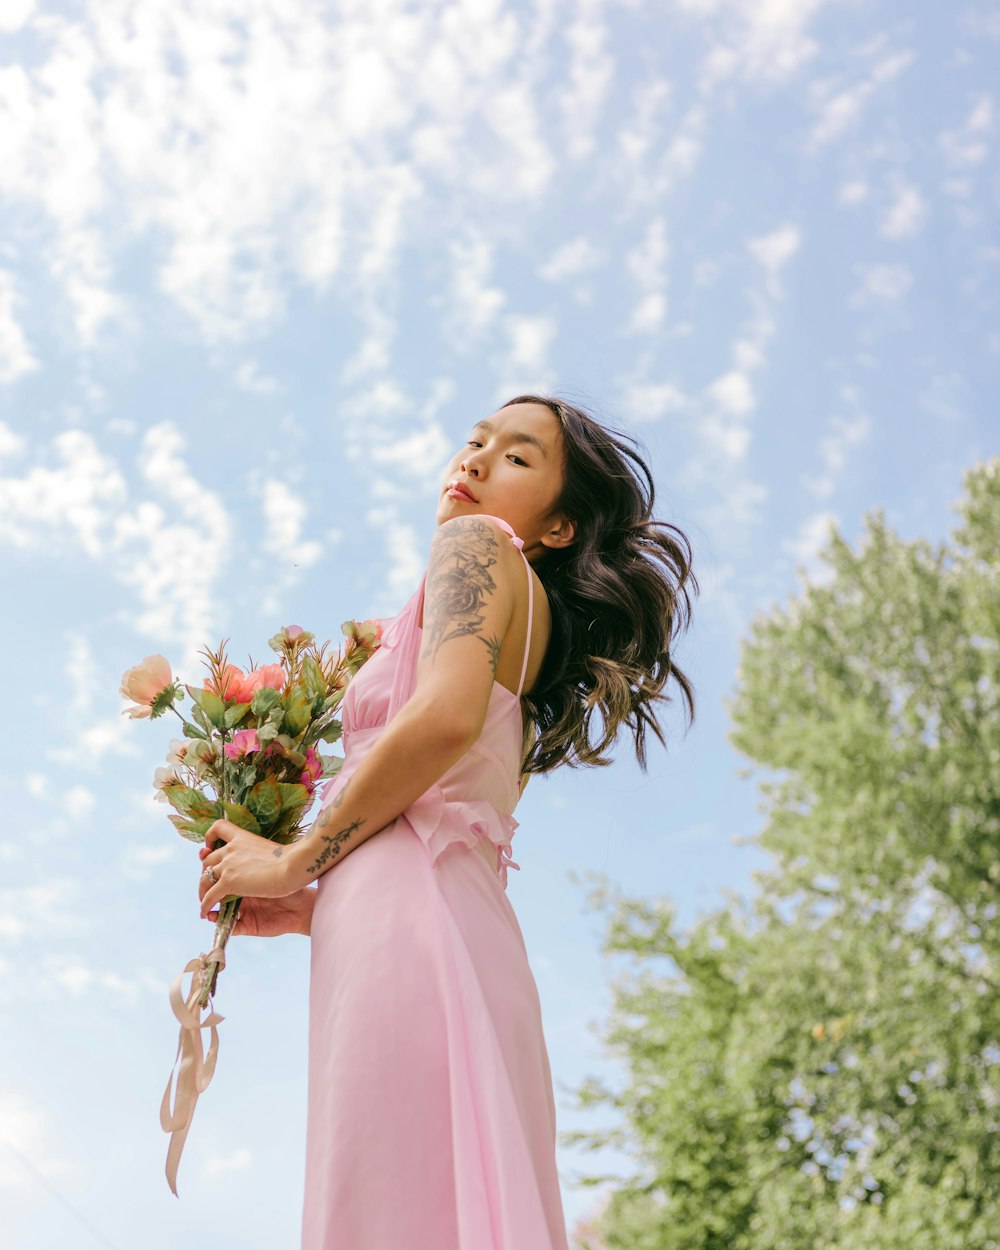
210 873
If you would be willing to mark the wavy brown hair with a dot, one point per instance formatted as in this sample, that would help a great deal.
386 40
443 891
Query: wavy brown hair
619 596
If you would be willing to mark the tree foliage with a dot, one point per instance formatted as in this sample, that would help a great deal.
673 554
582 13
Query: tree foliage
817 1068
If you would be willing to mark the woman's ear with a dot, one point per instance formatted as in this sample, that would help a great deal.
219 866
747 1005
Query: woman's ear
560 535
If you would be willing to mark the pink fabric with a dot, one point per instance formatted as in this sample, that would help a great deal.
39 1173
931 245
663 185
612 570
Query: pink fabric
431 1117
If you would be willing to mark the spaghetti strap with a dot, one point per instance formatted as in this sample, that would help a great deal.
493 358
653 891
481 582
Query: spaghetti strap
527 639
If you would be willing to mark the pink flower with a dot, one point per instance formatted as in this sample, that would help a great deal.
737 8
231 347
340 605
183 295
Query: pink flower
244 741
313 770
231 685
143 683
293 631
272 675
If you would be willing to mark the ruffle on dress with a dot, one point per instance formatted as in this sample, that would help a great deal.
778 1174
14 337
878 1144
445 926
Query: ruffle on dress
440 822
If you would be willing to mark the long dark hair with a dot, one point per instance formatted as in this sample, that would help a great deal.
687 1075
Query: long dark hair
618 594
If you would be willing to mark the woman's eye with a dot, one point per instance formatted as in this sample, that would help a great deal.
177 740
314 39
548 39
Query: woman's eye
471 442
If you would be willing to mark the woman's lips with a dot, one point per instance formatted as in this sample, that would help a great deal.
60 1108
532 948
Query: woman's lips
456 492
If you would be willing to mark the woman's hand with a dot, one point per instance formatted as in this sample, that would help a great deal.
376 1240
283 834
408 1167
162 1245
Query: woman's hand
245 864
268 917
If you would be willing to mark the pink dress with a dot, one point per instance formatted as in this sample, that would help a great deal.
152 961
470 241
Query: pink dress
431 1117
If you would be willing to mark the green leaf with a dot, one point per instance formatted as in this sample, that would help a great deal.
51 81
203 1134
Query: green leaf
333 734
192 731
293 795
193 830
263 700
311 677
202 720
240 816
210 704
264 800
192 803
234 713
269 729
298 708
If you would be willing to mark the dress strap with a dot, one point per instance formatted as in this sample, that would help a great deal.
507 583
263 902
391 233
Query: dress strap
531 607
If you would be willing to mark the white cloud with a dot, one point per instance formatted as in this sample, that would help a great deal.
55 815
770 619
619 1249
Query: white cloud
646 265
418 456
16 356
853 192
760 41
15 14
883 282
138 863
844 433
248 377
472 304
529 339
406 554
839 109
905 215
732 393
79 801
773 251
651 401
33 912
590 73
968 145
285 514
805 546
76 498
257 143
33 1135
82 673
172 553
572 259
11 443
238 1160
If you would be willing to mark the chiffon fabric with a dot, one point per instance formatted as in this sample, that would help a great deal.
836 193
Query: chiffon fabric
431 1117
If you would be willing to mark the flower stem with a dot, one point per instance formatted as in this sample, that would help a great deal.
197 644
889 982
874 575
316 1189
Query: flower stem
223 928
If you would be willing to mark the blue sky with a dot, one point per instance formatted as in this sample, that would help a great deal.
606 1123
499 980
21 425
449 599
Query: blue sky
261 267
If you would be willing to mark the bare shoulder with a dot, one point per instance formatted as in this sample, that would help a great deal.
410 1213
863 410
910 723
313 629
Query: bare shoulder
469 574
476 538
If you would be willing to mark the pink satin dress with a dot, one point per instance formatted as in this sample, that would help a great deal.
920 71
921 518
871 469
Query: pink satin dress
431 1117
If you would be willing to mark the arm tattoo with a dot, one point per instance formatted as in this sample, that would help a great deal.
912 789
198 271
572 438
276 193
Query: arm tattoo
460 578
333 841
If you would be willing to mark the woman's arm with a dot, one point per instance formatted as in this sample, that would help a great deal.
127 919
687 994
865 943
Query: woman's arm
468 607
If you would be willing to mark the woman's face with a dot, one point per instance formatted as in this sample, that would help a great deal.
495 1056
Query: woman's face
512 467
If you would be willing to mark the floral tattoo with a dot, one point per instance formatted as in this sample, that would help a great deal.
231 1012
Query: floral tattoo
460 579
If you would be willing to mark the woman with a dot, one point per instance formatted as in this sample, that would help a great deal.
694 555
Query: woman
549 594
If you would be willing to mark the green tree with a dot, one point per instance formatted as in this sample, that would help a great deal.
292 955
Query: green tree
817 1067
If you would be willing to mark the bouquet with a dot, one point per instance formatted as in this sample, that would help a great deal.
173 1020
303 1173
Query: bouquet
250 754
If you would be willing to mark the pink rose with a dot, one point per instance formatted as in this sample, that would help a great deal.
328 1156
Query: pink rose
244 741
272 675
313 770
143 683
231 685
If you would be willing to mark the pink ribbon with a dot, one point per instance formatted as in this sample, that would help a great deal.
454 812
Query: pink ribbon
196 1068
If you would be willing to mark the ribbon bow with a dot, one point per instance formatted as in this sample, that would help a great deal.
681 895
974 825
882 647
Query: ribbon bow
196 1068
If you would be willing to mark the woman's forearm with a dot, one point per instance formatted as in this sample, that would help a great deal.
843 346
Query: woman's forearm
416 748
